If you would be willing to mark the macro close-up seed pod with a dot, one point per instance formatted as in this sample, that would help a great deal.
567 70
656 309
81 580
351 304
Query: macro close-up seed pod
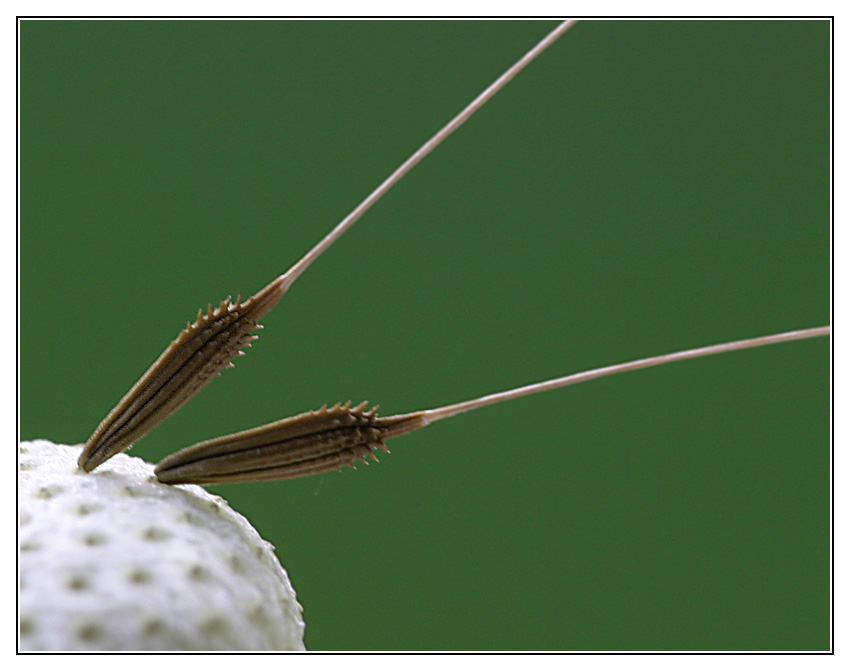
640 188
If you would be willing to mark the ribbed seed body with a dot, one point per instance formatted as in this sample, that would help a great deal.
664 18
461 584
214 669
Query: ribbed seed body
198 354
312 442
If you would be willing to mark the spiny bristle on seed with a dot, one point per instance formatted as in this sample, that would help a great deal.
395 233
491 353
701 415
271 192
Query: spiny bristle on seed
199 353
313 442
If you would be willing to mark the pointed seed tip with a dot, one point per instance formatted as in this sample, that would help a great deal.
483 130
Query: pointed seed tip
87 463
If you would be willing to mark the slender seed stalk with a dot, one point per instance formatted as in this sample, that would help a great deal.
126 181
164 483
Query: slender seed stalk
326 440
206 347
436 414
293 273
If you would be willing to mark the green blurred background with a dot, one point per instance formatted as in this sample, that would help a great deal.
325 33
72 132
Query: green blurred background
643 187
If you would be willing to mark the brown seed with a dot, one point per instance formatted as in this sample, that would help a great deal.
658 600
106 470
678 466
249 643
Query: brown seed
327 439
204 348
313 442
198 354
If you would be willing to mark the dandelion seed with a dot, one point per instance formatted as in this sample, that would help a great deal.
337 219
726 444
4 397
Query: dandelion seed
198 354
328 439
205 348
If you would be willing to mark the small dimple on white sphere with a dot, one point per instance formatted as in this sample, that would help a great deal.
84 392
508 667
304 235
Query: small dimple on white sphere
114 560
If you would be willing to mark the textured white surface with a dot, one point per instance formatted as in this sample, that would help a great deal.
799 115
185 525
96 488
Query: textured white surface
114 560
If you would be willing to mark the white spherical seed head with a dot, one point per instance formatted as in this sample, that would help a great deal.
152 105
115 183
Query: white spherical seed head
114 560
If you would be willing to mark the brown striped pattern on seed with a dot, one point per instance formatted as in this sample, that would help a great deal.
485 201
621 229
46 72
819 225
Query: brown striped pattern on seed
198 354
312 442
